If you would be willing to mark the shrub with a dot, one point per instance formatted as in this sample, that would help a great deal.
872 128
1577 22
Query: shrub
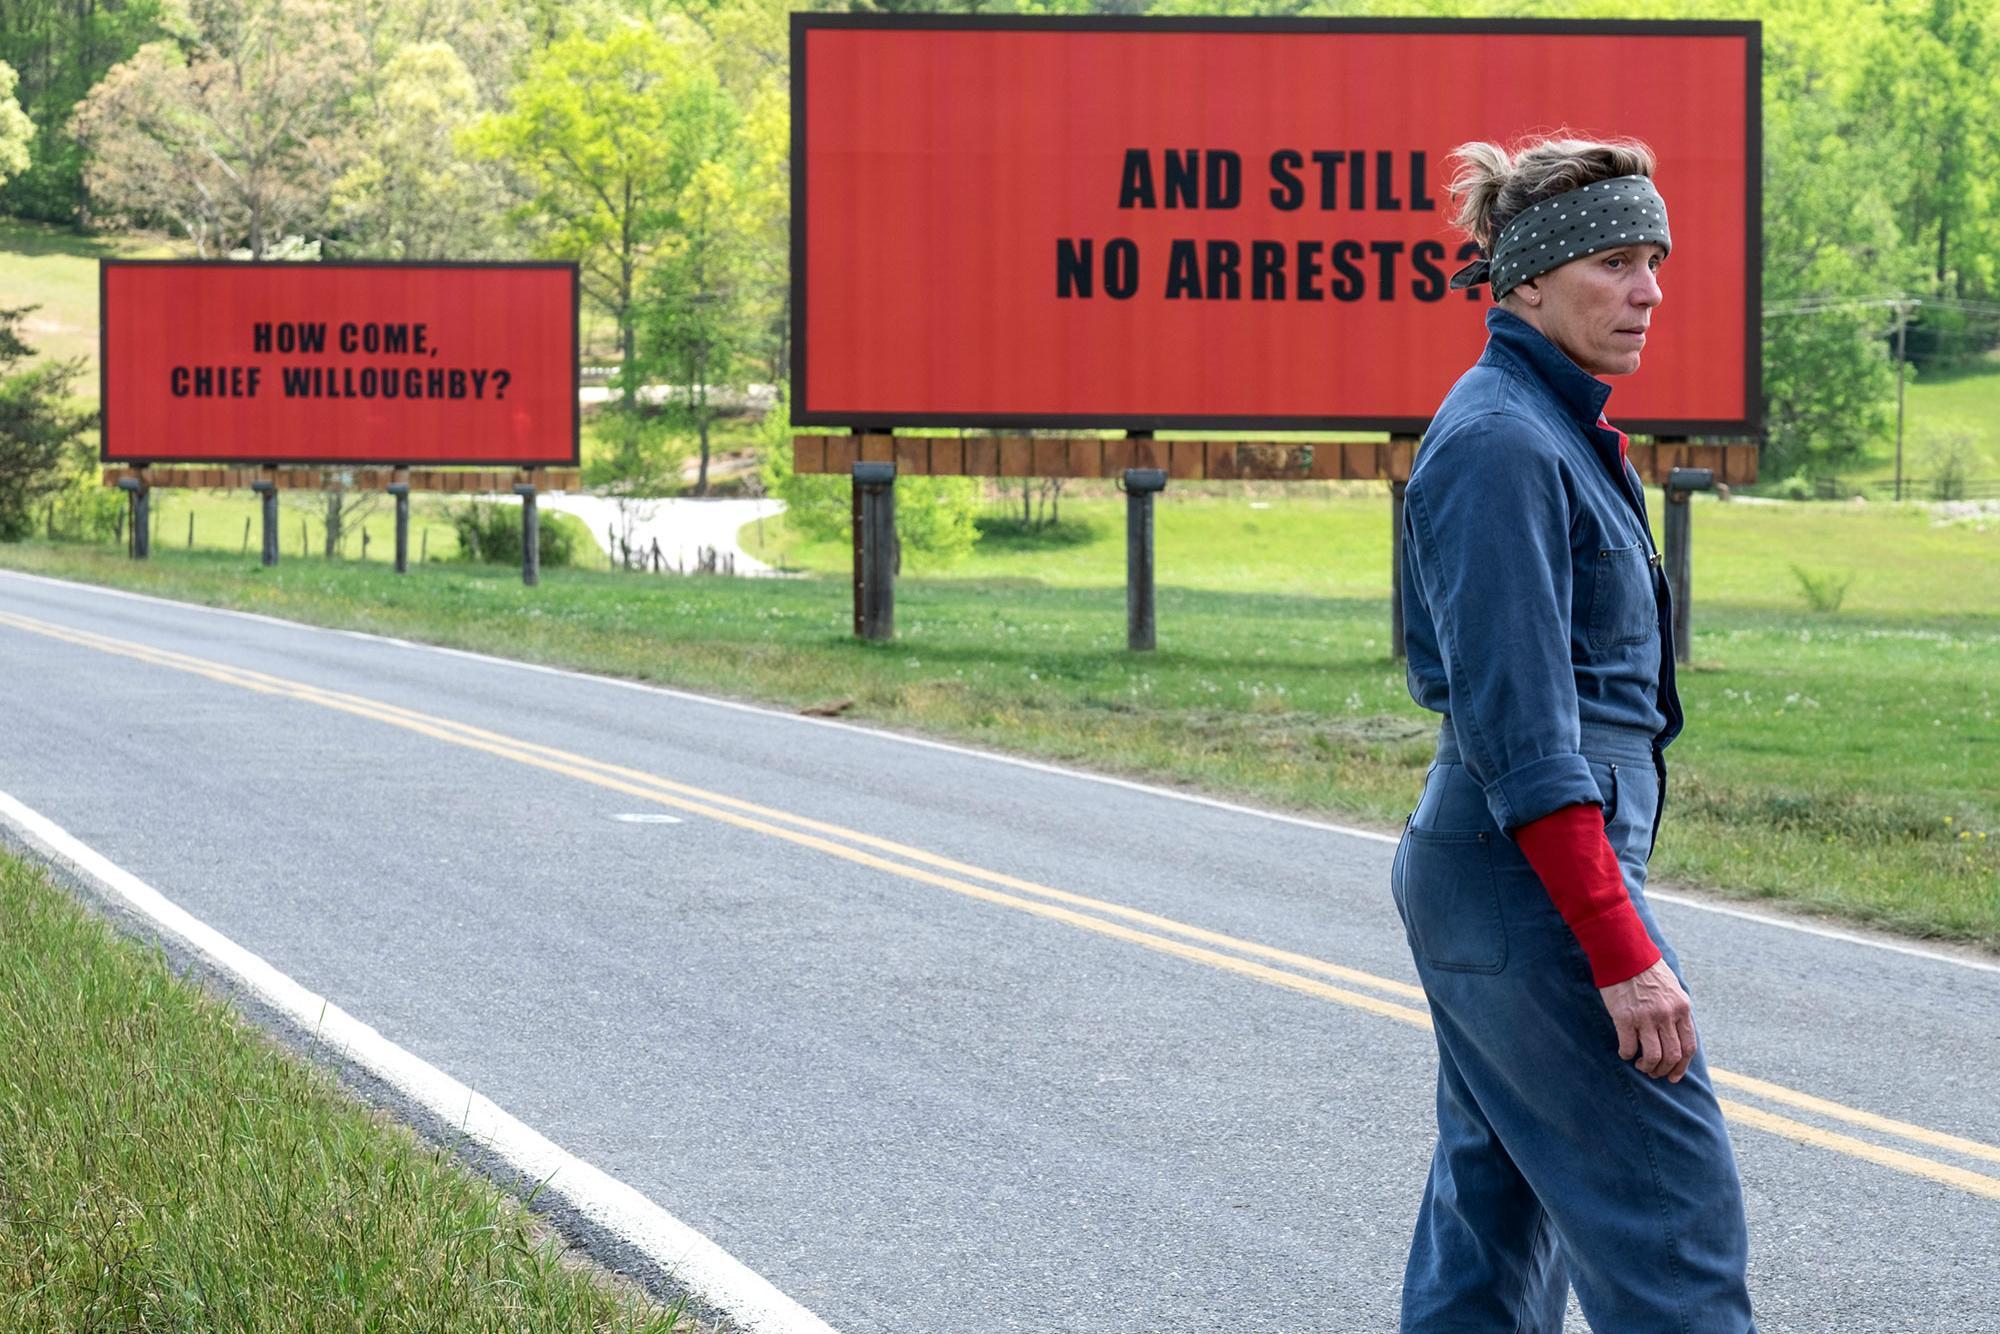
39 426
492 534
1013 533
1796 487
1823 589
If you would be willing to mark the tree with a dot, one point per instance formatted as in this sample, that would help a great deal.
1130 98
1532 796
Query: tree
39 426
230 135
691 324
1830 240
606 133
638 458
408 192
16 130
1930 80
60 48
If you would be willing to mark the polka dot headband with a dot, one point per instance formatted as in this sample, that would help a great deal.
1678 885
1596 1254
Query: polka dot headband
1625 210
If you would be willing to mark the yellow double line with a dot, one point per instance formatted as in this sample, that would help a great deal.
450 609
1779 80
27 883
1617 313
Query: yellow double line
1317 978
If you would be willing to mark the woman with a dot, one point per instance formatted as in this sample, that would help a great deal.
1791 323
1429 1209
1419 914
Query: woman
1579 1140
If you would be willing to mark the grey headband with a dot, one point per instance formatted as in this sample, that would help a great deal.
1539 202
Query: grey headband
1598 216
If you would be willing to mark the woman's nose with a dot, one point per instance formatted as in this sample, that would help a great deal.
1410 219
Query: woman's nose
1648 292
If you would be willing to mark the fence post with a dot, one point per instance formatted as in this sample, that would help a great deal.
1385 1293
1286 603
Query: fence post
531 535
1141 485
875 537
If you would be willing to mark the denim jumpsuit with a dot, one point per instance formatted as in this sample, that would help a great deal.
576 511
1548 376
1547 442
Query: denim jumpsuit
1538 623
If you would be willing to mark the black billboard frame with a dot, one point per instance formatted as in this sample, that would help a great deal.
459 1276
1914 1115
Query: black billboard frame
1749 426
104 456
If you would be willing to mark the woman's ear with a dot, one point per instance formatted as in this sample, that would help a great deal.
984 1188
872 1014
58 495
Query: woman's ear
1529 293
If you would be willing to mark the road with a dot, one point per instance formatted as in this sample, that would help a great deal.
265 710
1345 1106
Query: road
683 528
932 1040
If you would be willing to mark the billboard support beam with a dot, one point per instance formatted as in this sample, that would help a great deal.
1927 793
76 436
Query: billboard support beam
1682 483
401 491
1141 485
1397 490
875 550
531 535
135 488
1400 458
267 494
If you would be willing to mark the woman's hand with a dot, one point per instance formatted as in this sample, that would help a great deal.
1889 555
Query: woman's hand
1655 1021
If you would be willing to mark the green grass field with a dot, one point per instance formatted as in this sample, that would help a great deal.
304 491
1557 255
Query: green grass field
1901 561
55 269
1848 762
228 521
163 1166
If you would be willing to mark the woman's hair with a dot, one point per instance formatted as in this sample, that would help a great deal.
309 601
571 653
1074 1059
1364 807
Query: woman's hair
1492 185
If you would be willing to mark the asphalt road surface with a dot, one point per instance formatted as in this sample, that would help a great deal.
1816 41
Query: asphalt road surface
934 1041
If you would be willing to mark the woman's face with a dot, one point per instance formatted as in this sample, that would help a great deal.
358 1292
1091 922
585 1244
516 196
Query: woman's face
1597 309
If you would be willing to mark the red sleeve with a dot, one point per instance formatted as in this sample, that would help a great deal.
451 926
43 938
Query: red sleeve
1570 853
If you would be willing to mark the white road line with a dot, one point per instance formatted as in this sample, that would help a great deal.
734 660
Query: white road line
1828 933
996 757
704 1267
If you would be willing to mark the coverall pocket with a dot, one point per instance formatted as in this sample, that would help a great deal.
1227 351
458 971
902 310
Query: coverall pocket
1451 903
1607 789
1622 610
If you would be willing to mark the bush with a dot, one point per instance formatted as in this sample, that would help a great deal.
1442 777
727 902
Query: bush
1013 533
39 426
935 516
84 510
492 534
1824 589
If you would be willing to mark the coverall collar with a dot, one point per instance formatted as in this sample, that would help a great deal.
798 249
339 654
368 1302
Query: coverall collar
1511 338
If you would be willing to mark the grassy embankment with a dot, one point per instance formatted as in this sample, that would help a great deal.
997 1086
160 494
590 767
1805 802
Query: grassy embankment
1846 761
164 1166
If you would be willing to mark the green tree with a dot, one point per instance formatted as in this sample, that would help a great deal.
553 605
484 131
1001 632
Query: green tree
408 192
16 130
1930 80
60 48
607 133
39 425
634 456
1830 241
231 132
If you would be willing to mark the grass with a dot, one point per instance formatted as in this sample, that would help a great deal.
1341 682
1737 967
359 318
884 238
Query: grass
220 518
1844 763
1903 564
163 1166
55 269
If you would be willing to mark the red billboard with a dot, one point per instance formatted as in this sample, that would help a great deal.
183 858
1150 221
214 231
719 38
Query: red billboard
216 361
1229 224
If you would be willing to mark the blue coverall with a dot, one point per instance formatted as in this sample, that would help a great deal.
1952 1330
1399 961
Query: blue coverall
1538 623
